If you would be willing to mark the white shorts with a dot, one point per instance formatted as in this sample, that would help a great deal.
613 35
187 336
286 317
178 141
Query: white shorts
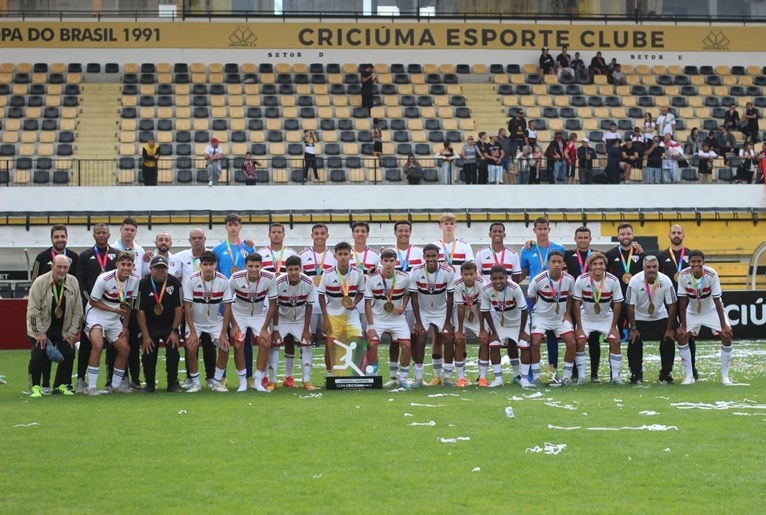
315 325
507 335
437 322
467 326
399 330
696 321
540 325
294 329
604 327
111 330
410 318
254 323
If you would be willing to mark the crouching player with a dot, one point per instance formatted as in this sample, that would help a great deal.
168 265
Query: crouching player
597 300
386 297
204 293
506 324
467 300
292 321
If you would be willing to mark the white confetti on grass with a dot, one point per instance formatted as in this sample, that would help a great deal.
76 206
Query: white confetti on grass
476 469
547 448
182 412
648 413
720 405
430 423
426 405
434 395
31 424
454 440
312 396
652 427
317 476
558 404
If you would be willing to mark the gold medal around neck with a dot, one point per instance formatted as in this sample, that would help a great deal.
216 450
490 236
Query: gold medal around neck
597 308
158 309
234 269
125 305
388 307
347 302
651 309
58 312
675 277
626 278
502 321
699 306
557 308
470 316
317 280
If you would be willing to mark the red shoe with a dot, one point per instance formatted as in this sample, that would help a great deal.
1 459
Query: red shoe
461 383
483 382
289 382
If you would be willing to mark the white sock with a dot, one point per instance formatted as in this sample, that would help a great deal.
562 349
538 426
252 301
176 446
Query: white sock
289 364
535 371
460 367
273 364
242 375
515 366
497 369
615 360
483 366
393 368
437 364
195 378
568 370
418 371
218 376
725 361
117 376
525 370
403 373
92 377
686 359
580 362
259 376
307 354
448 370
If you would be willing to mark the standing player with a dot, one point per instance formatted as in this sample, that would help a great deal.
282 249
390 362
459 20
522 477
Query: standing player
672 261
160 307
432 288
699 290
625 262
408 256
90 264
534 260
204 293
232 251
340 290
468 317
453 252
189 259
651 302
292 321
364 258
505 315
597 301
106 320
250 288
386 298
550 293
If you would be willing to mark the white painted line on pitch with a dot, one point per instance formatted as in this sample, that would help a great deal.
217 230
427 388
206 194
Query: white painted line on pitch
548 448
652 427
720 405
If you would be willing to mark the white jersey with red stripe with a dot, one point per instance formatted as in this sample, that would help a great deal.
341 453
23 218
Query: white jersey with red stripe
642 295
611 291
249 296
334 286
701 292
272 258
188 264
454 253
206 298
548 294
381 290
432 289
111 291
506 305
469 296
315 264
408 259
366 260
293 298
486 258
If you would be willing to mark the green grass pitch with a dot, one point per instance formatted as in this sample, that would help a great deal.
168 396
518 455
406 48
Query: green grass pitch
422 451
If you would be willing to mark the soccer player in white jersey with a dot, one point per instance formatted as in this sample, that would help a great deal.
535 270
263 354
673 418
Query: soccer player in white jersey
292 323
651 304
597 300
453 252
363 258
386 298
699 291
189 258
316 260
408 256
468 318
250 288
340 290
505 317
106 320
550 293
432 288
204 293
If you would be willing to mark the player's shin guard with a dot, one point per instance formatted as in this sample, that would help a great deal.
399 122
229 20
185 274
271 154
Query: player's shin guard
725 361
497 369
686 360
393 368
580 364
436 361
289 364
403 373
667 356
515 362
535 367
418 371
568 370
273 364
307 356
460 368
448 370
615 361
483 366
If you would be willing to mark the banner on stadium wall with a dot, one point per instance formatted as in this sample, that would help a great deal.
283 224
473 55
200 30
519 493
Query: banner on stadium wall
363 35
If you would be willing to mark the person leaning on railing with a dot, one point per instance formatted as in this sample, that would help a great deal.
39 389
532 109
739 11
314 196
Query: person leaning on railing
412 170
151 153
249 169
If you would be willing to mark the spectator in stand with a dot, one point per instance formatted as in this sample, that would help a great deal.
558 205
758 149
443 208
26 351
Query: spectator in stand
638 141
531 134
547 64
213 160
517 128
611 135
249 168
653 169
747 165
761 165
725 142
570 154
649 130
470 156
447 155
712 142
666 122
377 139
610 69
731 118
537 162
578 65
564 64
751 130
706 157
630 159
150 153
613 161
598 66
618 77
670 156
368 78
505 144
586 156
494 162
525 161
483 170
556 156
693 142
412 170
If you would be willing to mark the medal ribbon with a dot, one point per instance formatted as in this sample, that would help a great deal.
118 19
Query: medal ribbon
556 292
195 264
468 300
680 262
58 296
389 292
431 285
583 264
319 268
231 254
253 294
596 293
697 286
277 264
626 263
543 259
404 261
53 254
360 266
345 281
650 294
101 263
158 298
502 257
120 290
207 293
452 251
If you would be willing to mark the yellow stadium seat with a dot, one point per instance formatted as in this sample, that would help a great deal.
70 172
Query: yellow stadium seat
127 149
256 136
201 124
130 68
467 124
221 136
722 70
164 68
182 89
236 112
418 78
428 68
165 137
215 68
446 68
268 78
10 137
385 78
199 78
329 136
362 124
659 69
68 125
22 176
544 101
551 79
74 78
561 101
26 149
342 112
674 69
418 136
356 175
350 68
235 101
129 101
233 89
39 78
500 78
47 137
294 136
300 68
291 112
248 68
350 149
217 101
321 89
183 124
219 112
309 124
127 137
277 149
279 176
252 100
143 112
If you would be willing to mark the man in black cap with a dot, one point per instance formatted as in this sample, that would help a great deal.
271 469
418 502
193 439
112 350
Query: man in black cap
160 307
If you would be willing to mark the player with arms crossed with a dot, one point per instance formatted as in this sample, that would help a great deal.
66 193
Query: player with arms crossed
468 317
597 301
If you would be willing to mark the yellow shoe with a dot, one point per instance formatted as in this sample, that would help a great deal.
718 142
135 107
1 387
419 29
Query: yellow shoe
225 382
309 387
271 386
435 382
462 383
251 382
37 392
